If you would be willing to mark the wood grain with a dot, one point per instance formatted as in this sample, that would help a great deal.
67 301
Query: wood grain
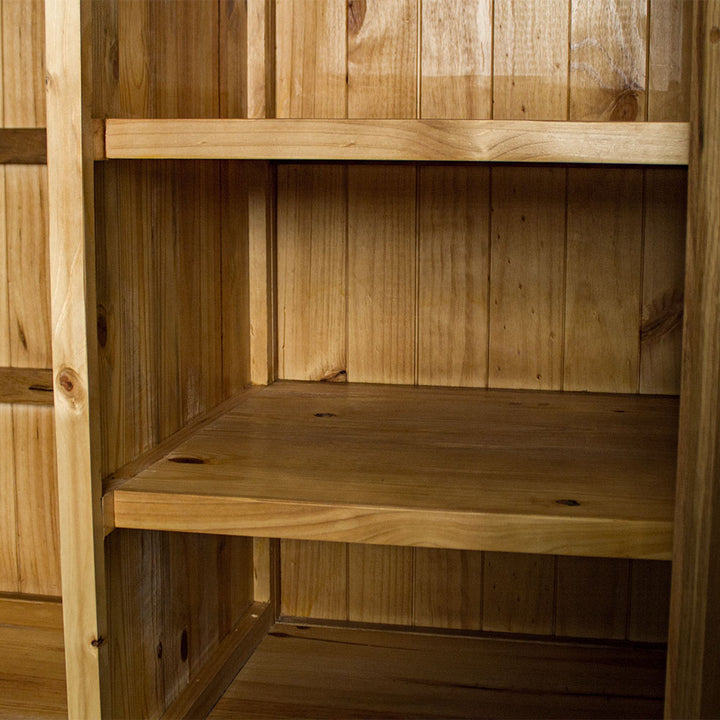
311 59
9 575
452 275
382 46
628 454
26 146
603 280
314 579
693 656
382 279
649 601
26 385
326 672
456 59
608 49
530 68
400 140
312 282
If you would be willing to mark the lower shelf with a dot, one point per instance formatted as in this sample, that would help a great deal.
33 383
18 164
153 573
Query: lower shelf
543 472
315 672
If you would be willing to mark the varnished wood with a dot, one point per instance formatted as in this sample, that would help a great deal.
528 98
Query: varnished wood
400 140
250 471
315 672
694 642
26 146
26 385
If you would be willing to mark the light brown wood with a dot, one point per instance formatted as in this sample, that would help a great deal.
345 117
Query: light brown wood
26 385
452 275
448 589
400 140
325 673
693 647
260 470
602 317
312 282
608 49
456 58
31 612
314 579
9 575
311 59
260 59
530 68
223 664
72 270
371 567
519 593
382 274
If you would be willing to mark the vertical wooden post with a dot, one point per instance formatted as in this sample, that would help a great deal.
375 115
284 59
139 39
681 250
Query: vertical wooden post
72 270
694 640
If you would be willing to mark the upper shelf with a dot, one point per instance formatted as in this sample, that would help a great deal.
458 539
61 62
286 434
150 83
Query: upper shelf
400 140
542 472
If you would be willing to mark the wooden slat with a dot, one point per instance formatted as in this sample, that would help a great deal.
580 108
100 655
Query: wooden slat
694 642
26 146
613 455
314 579
220 669
452 276
72 268
448 589
608 59
400 140
456 59
530 68
311 59
519 593
9 575
649 601
603 280
381 276
331 673
260 63
312 257
26 385
31 612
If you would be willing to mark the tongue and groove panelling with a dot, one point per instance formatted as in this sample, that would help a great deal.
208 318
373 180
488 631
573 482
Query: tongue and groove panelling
503 276
530 277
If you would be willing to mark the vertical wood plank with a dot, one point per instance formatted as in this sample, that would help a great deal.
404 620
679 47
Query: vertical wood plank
23 63
311 59
382 282
649 601
603 286
315 579
585 605
530 43
311 272
456 61
448 587
260 58
233 58
135 68
518 593
382 49
692 689
452 277
669 60
527 277
663 270
106 57
608 60
380 584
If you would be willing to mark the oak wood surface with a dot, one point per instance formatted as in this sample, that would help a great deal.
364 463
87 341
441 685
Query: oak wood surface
314 672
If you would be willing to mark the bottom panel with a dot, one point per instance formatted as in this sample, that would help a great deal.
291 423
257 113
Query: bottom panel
315 672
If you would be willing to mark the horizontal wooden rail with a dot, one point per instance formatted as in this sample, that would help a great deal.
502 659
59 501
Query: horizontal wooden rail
401 140
23 146
26 385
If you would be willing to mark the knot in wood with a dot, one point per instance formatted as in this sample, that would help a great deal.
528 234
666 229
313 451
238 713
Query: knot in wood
70 385
356 15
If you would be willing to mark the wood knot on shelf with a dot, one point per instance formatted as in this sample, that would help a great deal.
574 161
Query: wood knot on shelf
626 106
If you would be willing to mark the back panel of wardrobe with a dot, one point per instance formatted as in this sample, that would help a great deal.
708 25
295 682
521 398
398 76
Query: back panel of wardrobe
506 276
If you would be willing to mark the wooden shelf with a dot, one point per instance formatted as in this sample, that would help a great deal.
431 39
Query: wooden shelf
543 472
401 140
315 672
